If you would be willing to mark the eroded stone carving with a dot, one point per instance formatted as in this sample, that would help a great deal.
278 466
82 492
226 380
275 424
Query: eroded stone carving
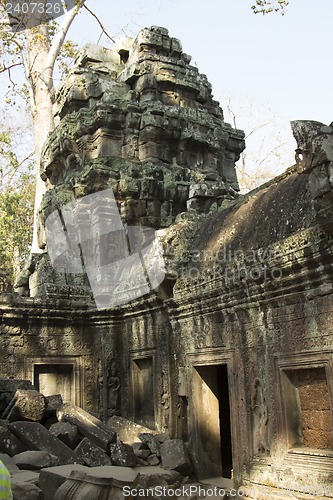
260 419
314 156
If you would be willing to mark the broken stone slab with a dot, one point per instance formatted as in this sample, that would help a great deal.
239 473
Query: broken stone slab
127 430
175 456
123 455
106 481
162 437
151 442
122 476
26 476
52 404
66 432
90 454
155 476
35 460
9 463
142 453
88 426
25 486
26 491
9 443
25 405
51 478
153 460
141 461
7 389
36 437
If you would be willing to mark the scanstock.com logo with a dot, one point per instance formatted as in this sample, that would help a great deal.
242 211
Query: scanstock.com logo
122 262
25 14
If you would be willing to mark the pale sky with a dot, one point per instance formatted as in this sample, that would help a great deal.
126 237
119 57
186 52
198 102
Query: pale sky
285 62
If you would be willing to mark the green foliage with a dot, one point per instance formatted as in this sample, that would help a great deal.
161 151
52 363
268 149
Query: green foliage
17 188
268 6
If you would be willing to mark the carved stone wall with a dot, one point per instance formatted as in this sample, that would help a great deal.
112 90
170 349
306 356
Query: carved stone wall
241 324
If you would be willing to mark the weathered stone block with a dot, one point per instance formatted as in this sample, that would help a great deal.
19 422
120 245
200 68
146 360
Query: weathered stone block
106 481
151 442
175 456
153 460
25 486
35 460
26 405
90 454
88 426
26 491
66 432
8 387
156 476
36 437
50 479
122 455
8 442
9 463
52 404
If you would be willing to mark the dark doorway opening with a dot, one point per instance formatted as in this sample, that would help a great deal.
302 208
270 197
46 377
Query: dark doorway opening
143 391
225 424
213 421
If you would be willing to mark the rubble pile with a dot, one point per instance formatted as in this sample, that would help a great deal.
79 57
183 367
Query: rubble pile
46 443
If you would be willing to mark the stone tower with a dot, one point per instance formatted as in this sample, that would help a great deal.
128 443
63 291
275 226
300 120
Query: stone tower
141 121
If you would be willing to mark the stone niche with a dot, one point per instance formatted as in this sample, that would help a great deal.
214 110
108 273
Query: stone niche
308 408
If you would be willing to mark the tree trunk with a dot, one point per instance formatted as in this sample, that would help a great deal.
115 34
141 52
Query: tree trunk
41 98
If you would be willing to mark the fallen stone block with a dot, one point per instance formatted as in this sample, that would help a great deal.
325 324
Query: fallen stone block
122 476
8 387
26 476
153 460
35 460
150 477
139 445
26 405
36 437
90 454
26 491
50 479
9 463
142 453
122 455
127 430
9 443
141 461
88 426
161 438
111 480
52 404
175 456
151 442
66 432
25 486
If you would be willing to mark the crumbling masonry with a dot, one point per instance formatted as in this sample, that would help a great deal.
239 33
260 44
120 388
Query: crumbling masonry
233 350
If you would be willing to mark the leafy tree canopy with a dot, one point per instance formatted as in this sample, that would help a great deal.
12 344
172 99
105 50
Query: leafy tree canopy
268 6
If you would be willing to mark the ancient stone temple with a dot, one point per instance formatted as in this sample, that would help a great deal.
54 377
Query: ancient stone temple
166 297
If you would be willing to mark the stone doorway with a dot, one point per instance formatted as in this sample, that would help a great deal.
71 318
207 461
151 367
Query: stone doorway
143 391
57 375
212 421
52 379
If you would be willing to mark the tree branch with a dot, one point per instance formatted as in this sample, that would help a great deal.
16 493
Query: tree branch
100 24
59 39
8 68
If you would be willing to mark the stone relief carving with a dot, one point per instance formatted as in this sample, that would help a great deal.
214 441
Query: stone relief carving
113 386
259 419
